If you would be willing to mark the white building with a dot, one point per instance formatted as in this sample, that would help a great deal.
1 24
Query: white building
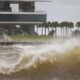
26 17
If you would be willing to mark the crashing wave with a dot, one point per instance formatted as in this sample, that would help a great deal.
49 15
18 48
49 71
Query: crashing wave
18 57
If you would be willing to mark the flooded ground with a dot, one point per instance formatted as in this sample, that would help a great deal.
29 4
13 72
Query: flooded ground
57 60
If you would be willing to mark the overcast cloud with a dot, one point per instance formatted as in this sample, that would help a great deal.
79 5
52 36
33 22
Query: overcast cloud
67 2
60 10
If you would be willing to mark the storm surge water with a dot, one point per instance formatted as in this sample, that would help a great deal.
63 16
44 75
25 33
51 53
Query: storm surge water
58 59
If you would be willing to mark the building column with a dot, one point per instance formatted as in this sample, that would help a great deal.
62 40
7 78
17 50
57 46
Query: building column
11 29
28 29
27 7
5 6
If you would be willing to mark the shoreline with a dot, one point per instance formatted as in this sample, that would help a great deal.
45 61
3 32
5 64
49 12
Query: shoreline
22 43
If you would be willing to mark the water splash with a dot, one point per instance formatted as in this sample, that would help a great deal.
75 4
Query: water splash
17 57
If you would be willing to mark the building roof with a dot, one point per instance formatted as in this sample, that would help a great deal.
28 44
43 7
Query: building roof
28 0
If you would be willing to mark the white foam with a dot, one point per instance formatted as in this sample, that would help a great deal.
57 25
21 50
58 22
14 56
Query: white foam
35 53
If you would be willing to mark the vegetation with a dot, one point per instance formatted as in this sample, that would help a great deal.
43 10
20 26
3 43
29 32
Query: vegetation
78 25
48 30
30 38
52 27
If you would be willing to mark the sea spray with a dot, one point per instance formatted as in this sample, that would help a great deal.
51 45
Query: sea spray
24 57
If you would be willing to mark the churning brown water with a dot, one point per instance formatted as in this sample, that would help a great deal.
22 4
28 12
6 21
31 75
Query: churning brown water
58 60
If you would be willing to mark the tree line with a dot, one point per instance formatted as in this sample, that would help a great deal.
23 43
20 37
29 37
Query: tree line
52 27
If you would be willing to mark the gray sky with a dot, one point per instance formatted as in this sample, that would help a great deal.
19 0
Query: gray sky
61 10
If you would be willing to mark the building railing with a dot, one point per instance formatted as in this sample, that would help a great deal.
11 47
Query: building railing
36 12
28 0
21 17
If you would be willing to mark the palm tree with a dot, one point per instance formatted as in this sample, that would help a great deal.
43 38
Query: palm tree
37 28
65 25
52 25
61 25
78 25
39 25
71 25
41 29
55 25
49 25
45 25
68 25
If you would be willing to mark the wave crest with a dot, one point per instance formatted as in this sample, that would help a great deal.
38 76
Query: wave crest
18 57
